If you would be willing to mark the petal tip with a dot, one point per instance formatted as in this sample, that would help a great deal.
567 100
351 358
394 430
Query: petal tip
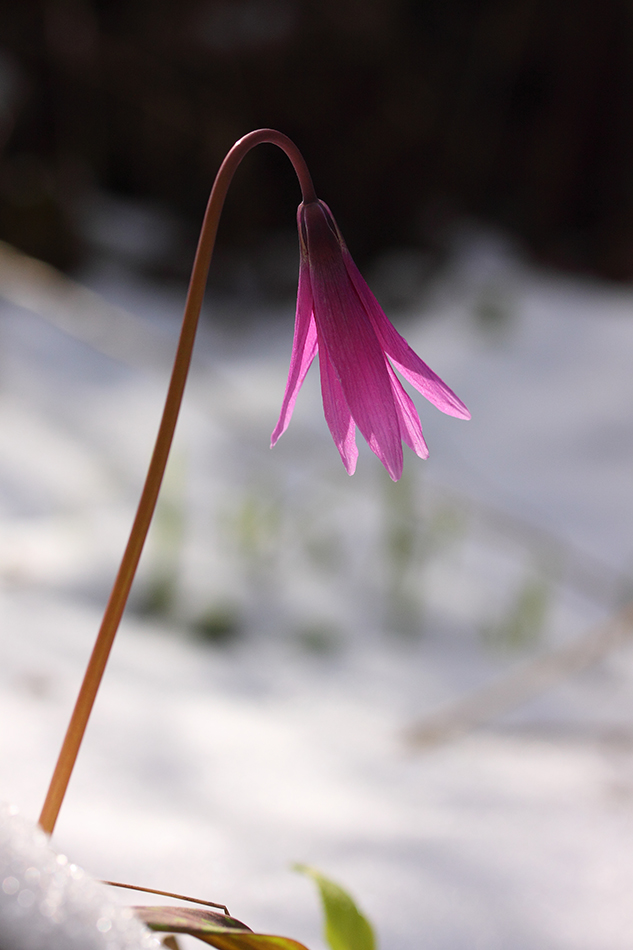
394 472
455 408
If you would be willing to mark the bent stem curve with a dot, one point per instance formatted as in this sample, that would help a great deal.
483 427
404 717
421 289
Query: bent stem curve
149 496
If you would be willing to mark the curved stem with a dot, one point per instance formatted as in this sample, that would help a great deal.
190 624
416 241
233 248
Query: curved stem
123 583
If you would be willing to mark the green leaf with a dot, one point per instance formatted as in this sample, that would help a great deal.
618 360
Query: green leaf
345 927
225 933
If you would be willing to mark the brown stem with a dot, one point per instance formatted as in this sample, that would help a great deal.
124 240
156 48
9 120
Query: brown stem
149 496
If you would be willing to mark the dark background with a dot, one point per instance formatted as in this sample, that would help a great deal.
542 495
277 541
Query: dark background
411 114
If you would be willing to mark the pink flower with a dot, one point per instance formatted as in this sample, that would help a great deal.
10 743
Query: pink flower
338 315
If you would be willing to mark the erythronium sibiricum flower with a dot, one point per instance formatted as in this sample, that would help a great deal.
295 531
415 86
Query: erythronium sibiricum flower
338 315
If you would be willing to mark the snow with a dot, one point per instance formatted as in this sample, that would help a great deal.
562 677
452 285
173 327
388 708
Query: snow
47 903
343 610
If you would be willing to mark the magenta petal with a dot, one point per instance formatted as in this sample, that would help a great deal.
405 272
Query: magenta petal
361 367
338 315
405 359
410 425
337 414
352 345
304 347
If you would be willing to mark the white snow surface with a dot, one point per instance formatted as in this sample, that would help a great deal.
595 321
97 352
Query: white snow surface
209 768
47 903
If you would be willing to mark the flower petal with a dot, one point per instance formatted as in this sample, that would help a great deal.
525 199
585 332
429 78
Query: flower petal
410 425
344 329
304 347
337 414
405 359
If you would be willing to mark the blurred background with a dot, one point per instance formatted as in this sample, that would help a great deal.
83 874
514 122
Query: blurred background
411 113
418 687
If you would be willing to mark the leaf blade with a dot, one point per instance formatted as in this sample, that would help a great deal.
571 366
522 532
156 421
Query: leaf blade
224 933
346 928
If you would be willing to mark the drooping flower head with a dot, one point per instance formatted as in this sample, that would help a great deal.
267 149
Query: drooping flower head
358 347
